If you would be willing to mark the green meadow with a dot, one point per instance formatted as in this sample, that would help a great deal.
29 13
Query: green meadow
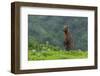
49 52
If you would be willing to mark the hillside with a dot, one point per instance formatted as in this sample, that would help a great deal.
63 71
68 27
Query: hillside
49 29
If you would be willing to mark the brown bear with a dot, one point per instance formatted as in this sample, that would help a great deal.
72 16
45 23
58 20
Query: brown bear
68 41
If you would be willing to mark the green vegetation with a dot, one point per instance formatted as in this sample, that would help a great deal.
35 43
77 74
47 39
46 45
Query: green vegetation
46 37
50 52
50 28
53 55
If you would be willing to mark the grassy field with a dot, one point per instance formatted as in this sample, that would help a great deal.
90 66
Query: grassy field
53 55
40 51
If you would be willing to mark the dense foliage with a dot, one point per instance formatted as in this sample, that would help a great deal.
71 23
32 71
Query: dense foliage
49 29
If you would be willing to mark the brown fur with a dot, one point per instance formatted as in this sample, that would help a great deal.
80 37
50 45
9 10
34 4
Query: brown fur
68 42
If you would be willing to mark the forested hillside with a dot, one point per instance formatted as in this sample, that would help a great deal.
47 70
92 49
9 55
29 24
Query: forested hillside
49 30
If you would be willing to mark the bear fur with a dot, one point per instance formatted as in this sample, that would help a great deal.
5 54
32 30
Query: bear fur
68 41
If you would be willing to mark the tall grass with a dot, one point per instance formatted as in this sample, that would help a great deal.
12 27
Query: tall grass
50 52
52 55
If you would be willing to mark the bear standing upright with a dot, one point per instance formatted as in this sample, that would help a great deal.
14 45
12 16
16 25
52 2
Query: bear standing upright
68 41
